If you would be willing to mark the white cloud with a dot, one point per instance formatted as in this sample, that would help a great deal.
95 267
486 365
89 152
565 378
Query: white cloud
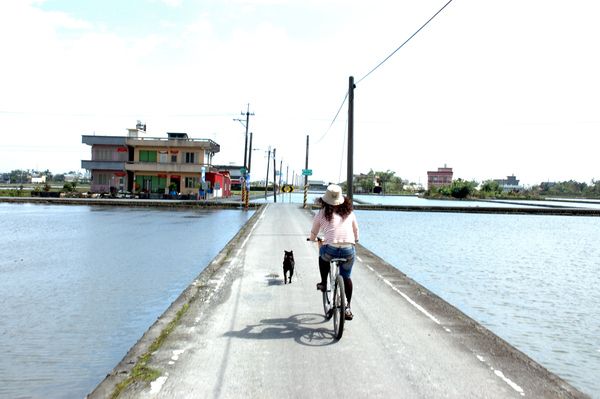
172 3
63 20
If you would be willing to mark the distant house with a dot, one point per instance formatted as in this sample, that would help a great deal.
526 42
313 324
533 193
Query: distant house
234 171
509 184
151 164
38 179
358 182
317 185
220 183
547 185
441 177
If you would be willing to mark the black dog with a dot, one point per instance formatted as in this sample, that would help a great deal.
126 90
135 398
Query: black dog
288 266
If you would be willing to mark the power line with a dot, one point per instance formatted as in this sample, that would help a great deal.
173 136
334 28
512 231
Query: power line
336 115
343 147
402 45
381 63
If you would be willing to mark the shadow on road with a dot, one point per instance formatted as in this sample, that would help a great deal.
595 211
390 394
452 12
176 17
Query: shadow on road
305 329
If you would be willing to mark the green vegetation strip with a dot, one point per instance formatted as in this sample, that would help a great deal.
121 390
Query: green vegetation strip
141 372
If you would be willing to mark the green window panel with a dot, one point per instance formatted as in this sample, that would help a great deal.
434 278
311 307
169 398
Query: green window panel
147 156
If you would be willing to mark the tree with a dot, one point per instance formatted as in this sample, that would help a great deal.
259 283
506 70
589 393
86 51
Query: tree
461 188
384 178
48 174
59 177
366 185
593 190
397 184
16 176
570 187
491 187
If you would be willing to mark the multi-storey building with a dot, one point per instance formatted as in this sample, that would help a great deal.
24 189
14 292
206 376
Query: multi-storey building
509 184
443 177
137 163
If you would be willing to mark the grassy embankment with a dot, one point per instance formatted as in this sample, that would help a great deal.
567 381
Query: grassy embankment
25 190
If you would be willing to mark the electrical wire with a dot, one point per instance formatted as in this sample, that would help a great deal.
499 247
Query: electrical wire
336 115
402 45
343 147
381 63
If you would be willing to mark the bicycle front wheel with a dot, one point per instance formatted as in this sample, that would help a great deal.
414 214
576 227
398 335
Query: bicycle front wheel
327 297
339 307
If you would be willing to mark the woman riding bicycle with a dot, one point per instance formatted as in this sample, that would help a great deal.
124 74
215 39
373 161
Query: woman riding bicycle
338 223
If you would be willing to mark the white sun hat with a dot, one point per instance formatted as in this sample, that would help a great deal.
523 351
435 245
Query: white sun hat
333 195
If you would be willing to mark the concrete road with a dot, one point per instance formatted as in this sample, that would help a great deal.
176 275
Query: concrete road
250 335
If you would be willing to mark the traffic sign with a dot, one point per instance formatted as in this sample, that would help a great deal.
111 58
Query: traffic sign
307 172
243 170
287 189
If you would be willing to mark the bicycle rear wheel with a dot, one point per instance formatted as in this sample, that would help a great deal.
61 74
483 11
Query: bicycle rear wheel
339 307
327 297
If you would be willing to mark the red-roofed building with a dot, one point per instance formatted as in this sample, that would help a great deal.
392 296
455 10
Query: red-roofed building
443 177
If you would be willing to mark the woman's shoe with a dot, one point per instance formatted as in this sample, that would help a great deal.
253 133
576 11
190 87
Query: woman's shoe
349 315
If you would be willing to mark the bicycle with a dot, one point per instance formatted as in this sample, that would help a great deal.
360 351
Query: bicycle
334 301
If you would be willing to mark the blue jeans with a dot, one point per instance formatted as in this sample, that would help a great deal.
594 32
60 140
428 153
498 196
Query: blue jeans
328 252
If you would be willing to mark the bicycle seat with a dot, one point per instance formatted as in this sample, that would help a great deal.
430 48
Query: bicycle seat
339 260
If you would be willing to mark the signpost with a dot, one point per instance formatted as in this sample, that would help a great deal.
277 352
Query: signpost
306 175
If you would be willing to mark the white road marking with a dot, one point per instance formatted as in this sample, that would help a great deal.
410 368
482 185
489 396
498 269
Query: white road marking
156 386
509 382
416 305
176 355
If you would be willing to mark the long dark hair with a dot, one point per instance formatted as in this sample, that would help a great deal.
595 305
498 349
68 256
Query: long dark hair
343 210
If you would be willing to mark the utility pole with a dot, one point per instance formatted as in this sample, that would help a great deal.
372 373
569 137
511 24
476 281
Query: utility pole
245 171
280 171
306 176
267 179
248 173
274 177
350 173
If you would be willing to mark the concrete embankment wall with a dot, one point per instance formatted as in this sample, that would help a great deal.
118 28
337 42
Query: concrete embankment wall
128 202
473 209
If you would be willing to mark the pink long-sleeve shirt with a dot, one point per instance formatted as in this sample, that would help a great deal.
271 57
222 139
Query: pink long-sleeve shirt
337 231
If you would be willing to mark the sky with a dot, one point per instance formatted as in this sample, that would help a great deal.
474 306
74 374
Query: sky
490 88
